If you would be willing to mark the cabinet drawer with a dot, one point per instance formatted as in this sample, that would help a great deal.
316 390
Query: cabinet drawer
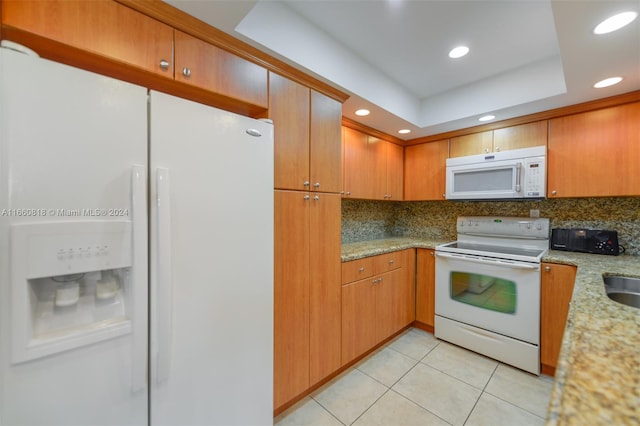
357 269
388 262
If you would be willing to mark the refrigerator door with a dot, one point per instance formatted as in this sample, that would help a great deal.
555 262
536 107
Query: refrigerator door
211 176
73 246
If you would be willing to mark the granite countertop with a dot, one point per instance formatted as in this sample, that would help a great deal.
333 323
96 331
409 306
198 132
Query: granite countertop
597 379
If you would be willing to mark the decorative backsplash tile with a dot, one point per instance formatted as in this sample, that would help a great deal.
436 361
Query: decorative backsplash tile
366 220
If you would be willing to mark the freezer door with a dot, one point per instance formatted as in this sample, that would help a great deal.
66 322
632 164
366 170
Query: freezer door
73 246
211 175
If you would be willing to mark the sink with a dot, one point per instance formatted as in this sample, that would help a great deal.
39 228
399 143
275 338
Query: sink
624 290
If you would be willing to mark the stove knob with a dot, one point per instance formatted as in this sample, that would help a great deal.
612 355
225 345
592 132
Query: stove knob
469 223
539 226
528 225
461 223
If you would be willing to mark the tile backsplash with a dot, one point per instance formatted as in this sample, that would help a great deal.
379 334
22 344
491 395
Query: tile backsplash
366 220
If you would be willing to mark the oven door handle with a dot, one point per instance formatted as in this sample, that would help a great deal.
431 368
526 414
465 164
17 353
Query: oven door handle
503 263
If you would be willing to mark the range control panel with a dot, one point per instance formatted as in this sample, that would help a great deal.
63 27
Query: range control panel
496 226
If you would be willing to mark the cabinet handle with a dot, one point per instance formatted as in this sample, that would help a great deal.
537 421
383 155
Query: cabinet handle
391 262
380 279
497 149
164 64
316 185
186 72
348 193
316 198
554 192
306 197
305 183
374 281
432 254
361 269
547 268
444 195
486 150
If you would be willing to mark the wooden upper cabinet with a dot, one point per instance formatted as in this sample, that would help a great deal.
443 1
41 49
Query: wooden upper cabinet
505 139
206 66
476 143
595 154
325 144
356 164
395 172
373 167
425 171
522 136
289 107
103 27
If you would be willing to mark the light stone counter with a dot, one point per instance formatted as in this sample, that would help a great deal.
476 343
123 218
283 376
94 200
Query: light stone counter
597 380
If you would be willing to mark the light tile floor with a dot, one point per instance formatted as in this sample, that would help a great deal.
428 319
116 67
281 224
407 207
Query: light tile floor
417 379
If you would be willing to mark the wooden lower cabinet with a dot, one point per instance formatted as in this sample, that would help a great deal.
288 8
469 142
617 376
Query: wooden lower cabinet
425 287
376 307
307 291
556 290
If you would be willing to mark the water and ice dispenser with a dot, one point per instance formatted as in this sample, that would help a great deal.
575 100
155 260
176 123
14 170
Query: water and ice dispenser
71 285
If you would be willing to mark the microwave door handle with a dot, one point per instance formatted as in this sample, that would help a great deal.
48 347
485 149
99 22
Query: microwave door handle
518 176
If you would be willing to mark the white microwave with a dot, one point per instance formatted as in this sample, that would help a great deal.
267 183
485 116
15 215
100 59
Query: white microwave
519 173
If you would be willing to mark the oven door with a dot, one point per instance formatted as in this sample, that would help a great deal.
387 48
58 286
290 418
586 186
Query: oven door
502 296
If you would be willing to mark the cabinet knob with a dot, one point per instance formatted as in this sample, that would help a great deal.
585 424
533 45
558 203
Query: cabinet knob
316 198
306 197
497 149
391 262
361 269
547 268
432 254
374 281
186 72
486 150
316 185
380 279
444 195
554 192
305 183
348 193
164 64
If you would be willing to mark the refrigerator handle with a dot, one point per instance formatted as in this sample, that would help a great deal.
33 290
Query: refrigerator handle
139 278
161 284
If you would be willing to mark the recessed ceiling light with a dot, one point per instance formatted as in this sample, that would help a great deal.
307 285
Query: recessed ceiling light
607 82
404 131
486 117
363 112
458 52
615 22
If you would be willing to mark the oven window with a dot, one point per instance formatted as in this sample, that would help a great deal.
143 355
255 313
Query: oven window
484 291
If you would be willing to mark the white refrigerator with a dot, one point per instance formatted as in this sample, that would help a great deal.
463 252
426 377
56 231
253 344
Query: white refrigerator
136 254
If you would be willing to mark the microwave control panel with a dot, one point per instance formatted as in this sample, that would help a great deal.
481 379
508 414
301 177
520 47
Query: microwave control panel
534 177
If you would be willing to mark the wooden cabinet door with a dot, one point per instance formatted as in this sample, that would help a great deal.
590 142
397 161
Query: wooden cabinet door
377 168
291 295
425 286
289 110
395 172
356 164
99 26
407 312
556 291
425 171
522 136
325 286
326 144
388 303
595 154
206 66
476 143
358 318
